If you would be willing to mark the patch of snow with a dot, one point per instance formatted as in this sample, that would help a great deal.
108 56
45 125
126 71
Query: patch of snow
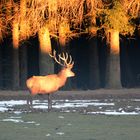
114 113
66 100
18 112
48 135
66 111
37 124
26 127
13 103
137 108
129 106
120 109
61 117
69 124
136 100
3 109
60 133
18 120
30 122
15 117
41 106
13 120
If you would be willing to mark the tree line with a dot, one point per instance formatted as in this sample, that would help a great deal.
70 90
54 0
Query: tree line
64 20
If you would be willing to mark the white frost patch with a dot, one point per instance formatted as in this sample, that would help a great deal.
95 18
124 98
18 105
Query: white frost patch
19 121
136 100
13 120
12 103
6 105
30 122
17 112
120 109
40 106
60 133
137 108
3 109
61 117
37 124
26 127
48 135
66 111
114 113
69 124
15 117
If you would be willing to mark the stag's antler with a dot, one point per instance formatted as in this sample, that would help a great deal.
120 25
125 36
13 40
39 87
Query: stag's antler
53 55
63 57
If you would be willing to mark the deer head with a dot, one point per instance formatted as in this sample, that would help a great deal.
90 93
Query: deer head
66 62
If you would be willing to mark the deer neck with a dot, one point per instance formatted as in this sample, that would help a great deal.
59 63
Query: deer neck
62 78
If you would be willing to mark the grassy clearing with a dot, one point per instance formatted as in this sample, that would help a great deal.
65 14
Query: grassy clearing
68 126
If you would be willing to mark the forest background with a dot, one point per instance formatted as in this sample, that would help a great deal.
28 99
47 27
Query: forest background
103 37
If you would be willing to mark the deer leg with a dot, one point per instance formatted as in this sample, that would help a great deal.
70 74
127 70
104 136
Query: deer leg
29 103
49 102
29 100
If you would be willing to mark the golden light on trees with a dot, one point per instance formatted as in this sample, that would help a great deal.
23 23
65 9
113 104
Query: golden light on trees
114 42
52 8
15 28
64 30
44 40
23 20
15 34
63 17
32 15
2 22
132 7
1 29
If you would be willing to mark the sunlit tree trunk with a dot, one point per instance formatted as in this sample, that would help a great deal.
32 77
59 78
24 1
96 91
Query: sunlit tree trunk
15 64
113 76
46 63
64 28
23 23
94 77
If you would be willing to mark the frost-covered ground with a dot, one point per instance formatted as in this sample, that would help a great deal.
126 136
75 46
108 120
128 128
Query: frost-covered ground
103 106
101 101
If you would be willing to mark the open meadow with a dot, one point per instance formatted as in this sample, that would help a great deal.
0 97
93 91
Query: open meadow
68 126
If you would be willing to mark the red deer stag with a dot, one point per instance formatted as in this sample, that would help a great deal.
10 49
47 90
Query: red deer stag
50 83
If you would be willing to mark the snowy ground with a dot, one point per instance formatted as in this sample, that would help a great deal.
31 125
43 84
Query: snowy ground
107 102
106 106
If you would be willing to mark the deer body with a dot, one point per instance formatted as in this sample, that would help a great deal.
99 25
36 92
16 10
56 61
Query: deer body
49 83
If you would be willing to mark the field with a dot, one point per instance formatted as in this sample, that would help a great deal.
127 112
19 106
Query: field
97 116
68 126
